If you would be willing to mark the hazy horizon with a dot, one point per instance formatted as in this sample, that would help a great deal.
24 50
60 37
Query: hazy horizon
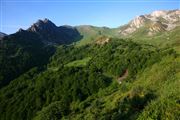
22 14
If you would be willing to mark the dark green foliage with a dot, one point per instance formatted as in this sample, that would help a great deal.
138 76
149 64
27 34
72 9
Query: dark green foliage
34 92
20 52
54 111
161 109
50 92
132 104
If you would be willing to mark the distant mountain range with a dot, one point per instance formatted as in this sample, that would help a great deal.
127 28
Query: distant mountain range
158 23
143 25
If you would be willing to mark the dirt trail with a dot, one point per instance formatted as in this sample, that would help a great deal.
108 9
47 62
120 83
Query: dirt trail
123 76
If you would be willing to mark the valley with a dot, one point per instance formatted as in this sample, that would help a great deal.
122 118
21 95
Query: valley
132 72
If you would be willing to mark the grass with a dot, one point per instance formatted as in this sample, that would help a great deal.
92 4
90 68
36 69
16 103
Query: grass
79 63
91 33
53 68
166 39
162 39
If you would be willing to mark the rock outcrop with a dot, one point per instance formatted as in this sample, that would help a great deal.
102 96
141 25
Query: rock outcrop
157 21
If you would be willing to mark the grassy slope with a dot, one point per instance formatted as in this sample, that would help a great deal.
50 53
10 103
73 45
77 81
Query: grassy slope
78 63
163 39
90 33
161 82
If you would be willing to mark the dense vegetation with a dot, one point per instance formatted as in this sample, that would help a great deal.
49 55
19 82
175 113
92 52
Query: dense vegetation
82 83
20 52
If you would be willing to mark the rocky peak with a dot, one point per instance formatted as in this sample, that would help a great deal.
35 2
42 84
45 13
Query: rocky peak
49 33
20 30
169 16
156 27
138 21
45 24
157 21
159 13
133 25
46 20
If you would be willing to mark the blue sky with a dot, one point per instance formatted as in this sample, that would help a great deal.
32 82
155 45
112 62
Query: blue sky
17 14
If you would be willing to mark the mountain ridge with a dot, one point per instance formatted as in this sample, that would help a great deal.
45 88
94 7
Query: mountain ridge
2 35
167 21
51 33
149 24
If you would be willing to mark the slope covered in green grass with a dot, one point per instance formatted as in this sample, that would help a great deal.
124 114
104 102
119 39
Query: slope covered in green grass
76 63
90 33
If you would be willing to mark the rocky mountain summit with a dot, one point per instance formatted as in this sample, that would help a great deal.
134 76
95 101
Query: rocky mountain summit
157 21
42 25
52 34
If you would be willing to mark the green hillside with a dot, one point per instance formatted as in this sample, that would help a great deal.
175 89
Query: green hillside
93 73
164 39
161 39
20 52
90 33
82 83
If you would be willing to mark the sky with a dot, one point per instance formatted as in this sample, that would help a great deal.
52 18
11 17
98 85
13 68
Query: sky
16 14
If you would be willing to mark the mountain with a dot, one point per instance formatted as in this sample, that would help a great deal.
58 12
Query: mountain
51 34
148 25
160 28
156 22
32 47
50 72
162 24
2 35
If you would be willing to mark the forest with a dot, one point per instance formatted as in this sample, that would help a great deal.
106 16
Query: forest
81 82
